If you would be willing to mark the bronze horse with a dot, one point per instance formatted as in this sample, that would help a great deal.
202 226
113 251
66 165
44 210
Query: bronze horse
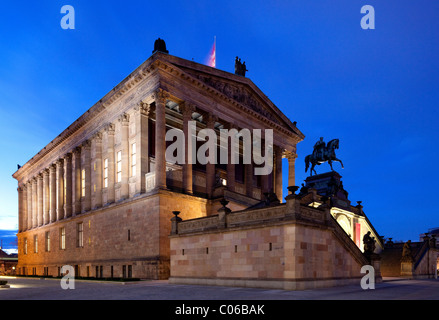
328 156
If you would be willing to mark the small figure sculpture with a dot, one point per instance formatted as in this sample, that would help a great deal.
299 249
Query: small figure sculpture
407 250
369 243
240 68
303 190
160 45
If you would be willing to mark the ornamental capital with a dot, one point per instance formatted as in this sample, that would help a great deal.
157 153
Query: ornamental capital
76 151
68 156
290 155
211 119
97 136
124 118
86 144
143 107
110 128
160 96
187 109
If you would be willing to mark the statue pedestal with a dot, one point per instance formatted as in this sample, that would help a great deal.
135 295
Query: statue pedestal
407 268
329 184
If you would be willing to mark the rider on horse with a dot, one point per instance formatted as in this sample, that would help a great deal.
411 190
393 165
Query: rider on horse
319 149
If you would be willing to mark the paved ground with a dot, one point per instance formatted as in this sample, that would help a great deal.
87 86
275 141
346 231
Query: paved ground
36 289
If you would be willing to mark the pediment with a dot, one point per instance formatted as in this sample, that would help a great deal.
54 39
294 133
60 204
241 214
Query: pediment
243 91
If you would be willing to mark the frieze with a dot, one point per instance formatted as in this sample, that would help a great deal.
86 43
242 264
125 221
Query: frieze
240 95
198 225
256 216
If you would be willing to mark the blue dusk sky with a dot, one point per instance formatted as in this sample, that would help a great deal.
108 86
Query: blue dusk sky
375 90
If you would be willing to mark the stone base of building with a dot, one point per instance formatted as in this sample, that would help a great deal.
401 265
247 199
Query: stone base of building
154 268
279 284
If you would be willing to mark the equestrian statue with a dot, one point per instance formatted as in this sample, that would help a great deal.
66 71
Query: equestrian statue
322 153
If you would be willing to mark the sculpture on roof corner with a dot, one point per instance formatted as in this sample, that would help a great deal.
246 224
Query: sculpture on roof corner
240 67
322 153
160 45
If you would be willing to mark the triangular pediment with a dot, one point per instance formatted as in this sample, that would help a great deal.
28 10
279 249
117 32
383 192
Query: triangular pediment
238 88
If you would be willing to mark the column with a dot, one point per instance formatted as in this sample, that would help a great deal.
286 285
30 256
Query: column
109 132
96 173
142 156
29 205
160 98
124 148
20 209
40 199
46 197
59 189
25 210
85 176
68 185
76 181
187 110
210 167
278 172
230 165
52 184
34 202
291 156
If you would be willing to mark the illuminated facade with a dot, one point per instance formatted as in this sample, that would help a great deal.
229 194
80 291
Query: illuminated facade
100 196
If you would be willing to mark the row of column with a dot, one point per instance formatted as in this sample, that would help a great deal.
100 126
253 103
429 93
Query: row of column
74 184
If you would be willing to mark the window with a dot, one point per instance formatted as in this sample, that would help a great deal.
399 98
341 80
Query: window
133 160
106 173
25 246
83 183
119 166
47 241
62 238
80 233
35 243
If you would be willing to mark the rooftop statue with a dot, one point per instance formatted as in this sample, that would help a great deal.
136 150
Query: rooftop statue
160 45
240 68
322 153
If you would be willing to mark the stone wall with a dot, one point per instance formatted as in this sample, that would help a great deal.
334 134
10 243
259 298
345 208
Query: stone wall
276 247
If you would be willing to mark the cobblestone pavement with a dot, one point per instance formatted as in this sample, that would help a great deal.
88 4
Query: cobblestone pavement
50 289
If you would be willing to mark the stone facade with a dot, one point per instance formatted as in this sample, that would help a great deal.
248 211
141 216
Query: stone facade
100 195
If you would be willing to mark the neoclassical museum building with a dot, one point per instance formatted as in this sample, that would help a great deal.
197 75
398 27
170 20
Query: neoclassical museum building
103 198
